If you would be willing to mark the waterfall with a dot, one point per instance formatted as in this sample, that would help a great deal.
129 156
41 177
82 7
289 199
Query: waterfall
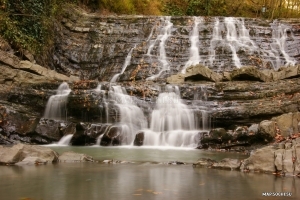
231 38
238 38
162 38
172 122
104 109
56 105
171 113
65 140
279 36
126 63
216 38
194 50
132 117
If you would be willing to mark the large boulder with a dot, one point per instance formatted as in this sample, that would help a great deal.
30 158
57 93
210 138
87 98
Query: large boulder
20 152
281 159
260 160
267 127
287 123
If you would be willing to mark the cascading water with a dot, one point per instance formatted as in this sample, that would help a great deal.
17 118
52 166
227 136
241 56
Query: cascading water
231 38
162 38
194 50
172 122
126 63
56 105
104 108
65 140
216 39
228 42
131 116
279 36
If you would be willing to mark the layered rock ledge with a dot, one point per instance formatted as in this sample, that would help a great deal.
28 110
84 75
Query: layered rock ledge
279 159
21 154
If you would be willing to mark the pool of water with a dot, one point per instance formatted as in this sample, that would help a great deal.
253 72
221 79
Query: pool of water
147 178
148 154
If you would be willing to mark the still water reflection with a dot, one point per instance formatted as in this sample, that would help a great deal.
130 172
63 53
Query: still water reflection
139 180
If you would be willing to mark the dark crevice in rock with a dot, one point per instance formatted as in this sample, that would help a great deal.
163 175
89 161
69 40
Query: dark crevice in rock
197 77
246 77
30 71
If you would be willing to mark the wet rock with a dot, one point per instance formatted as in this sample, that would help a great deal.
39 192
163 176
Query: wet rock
227 163
139 139
112 137
14 121
80 138
176 163
74 157
204 162
49 128
88 134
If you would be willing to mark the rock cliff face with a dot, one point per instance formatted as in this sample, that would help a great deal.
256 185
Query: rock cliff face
96 47
146 55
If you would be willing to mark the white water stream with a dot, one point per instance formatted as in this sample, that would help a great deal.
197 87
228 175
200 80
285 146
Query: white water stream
126 63
56 105
194 50
162 38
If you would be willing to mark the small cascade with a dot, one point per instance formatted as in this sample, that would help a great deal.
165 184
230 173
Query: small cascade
56 107
104 108
172 122
231 38
126 63
201 105
65 140
194 50
171 113
279 36
162 39
131 116
238 38
216 38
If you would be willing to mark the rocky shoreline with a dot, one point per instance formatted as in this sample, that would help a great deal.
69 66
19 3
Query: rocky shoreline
280 159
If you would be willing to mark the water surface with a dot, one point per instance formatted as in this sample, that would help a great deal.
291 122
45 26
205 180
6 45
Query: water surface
137 181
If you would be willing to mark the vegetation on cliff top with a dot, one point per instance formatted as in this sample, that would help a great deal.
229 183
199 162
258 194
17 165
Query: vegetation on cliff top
29 24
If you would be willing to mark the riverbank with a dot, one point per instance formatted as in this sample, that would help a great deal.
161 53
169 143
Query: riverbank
279 159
